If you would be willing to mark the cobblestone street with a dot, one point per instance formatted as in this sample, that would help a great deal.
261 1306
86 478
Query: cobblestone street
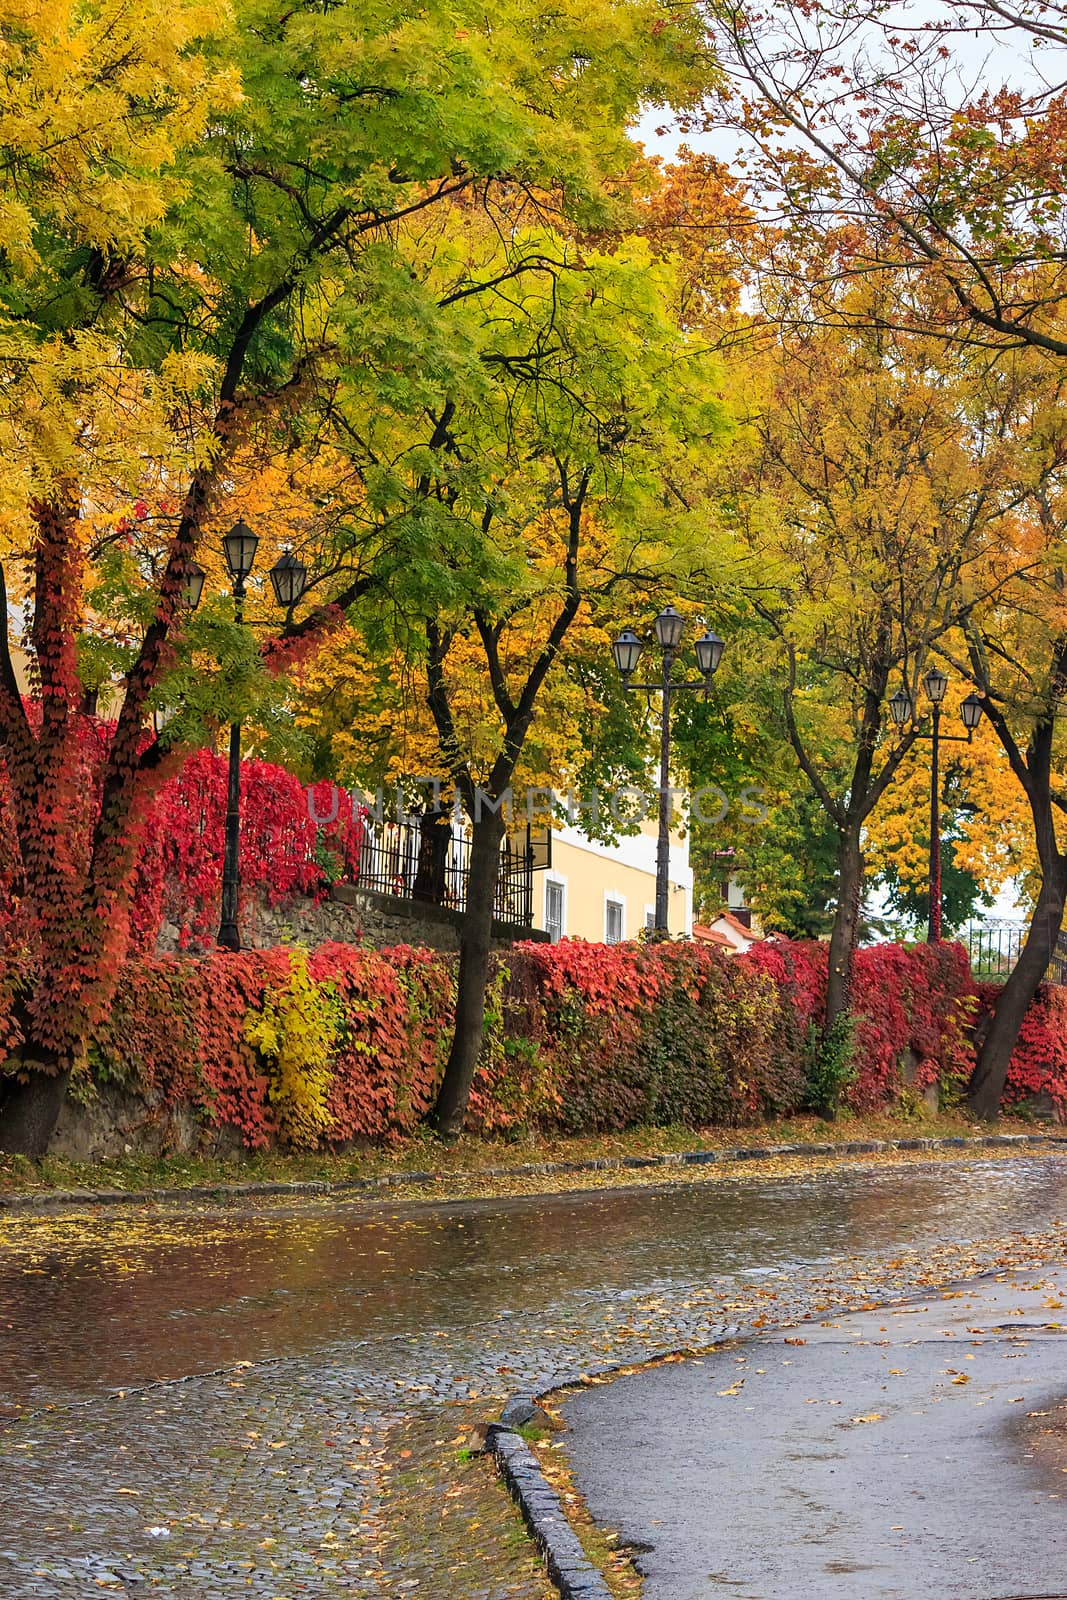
210 1404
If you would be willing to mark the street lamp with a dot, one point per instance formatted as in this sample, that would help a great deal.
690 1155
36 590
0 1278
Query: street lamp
971 712
935 683
901 709
239 548
627 653
288 577
193 586
708 650
670 626
669 629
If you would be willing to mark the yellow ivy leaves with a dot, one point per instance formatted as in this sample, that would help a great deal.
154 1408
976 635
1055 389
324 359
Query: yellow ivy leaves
295 1032
98 99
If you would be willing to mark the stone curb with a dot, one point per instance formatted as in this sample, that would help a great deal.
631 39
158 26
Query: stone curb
570 1569
56 1198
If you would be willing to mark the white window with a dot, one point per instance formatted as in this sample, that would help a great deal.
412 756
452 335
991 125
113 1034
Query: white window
650 917
614 921
554 909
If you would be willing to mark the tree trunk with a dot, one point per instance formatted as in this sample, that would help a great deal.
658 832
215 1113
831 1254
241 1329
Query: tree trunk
994 1056
450 1109
845 930
435 833
29 1111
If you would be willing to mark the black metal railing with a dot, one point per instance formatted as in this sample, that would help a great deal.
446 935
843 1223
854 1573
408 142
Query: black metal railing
1057 967
994 947
427 859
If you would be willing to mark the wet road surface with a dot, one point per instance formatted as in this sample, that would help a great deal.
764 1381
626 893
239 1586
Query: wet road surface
918 1450
137 1453
115 1301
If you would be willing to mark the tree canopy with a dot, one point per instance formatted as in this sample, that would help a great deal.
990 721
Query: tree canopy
213 220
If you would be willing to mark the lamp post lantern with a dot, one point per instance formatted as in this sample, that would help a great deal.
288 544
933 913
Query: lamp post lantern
901 709
627 653
193 586
288 578
669 630
971 712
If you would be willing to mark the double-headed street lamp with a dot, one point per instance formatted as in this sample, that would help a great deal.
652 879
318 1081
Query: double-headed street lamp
901 709
288 578
670 626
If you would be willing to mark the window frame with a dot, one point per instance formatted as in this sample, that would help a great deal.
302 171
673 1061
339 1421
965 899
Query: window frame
554 881
612 902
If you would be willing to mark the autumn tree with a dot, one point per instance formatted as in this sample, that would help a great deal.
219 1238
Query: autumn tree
1016 654
986 833
867 490
875 142
201 217
522 503
879 153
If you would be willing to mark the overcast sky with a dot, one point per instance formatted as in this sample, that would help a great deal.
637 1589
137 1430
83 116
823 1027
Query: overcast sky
982 62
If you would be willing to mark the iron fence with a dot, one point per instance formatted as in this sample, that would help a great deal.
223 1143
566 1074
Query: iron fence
426 859
1057 967
994 947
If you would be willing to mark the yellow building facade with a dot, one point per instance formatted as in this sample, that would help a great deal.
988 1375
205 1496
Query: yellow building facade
607 893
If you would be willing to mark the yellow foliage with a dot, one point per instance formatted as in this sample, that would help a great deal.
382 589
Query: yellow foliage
372 711
292 501
995 842
97 100
296 1032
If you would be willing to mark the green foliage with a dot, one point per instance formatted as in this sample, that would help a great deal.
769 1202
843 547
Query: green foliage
833 1066
783 849
961 893
788 866
329 860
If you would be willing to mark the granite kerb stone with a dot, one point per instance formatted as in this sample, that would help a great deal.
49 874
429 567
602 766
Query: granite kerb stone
58 1198
570 1569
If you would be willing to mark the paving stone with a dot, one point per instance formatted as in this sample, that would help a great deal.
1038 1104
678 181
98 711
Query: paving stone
266 1476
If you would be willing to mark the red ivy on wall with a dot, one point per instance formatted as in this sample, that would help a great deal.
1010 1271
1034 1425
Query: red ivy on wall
175 1034
178 875
284 852
581 1037
1039 1062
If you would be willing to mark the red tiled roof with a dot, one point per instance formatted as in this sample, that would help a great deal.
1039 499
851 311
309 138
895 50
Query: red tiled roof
712 936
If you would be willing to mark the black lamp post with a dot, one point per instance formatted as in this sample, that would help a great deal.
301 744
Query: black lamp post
901 709
289 579
670 626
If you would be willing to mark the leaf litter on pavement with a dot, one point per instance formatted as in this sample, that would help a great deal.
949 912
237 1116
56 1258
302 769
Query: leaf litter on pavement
414 1491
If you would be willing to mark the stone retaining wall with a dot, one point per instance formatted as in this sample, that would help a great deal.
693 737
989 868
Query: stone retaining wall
352 916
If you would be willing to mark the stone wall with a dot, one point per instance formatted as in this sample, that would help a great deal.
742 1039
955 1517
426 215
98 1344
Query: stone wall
355 916
115 1122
